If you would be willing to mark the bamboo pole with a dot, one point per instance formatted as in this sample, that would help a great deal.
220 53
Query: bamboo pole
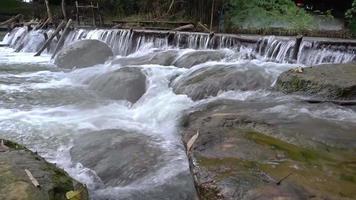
49 13
10 20
48 42
63 5
212 15
61 40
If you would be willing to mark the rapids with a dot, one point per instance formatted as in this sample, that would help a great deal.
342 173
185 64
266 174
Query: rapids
124 150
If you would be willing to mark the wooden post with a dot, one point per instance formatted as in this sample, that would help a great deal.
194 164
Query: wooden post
212 15
61 40
93 12
48 11
64 9
48 42
298 42
77 6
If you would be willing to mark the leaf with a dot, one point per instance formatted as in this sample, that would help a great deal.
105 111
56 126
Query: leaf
73 195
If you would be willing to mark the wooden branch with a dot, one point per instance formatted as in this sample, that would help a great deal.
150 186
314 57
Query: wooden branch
203 26
185 28
63 5
61 40
170 7
191 142
49 13
49 40
212 15
11 20
33 179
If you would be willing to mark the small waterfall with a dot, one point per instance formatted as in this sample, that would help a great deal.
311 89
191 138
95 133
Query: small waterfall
313 51
275 49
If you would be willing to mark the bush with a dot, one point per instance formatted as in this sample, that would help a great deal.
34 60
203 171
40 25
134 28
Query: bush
269 13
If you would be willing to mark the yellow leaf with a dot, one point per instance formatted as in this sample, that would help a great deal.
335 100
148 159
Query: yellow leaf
73 195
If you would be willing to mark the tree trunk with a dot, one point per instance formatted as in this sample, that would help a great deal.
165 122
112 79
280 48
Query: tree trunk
64 10
49 11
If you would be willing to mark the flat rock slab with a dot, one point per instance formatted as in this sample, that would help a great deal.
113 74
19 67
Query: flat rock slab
238 155
331 81
16 185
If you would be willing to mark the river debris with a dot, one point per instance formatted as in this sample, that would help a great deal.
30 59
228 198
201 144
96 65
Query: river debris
3 147
33 179
192 141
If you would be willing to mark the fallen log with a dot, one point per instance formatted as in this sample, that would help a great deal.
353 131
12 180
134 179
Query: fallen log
203 27
49 40
11 20
61 40
187 27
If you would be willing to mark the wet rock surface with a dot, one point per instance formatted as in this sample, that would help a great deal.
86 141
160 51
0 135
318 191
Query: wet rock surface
164 58
128 83
83 53
244 154
331 81
190 59
16 185
118 157
209 81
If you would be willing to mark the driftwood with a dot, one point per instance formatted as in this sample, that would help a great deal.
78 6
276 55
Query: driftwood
203 27
32 179
48 42
192 141
11 20
187 27
63 5
337 102
61 40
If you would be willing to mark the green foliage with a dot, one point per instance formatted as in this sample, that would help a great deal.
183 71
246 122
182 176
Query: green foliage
350 17
269 13
12 6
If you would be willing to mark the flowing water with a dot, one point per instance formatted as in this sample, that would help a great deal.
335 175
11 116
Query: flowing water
122 150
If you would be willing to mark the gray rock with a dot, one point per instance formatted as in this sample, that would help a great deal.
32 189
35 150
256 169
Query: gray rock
83 53
15 184
331 81
208 81
242 153
193 58
118 157
160 58
128 83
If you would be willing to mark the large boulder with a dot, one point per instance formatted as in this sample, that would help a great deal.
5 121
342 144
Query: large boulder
193 58
16 185
158 57
243 153
209 81
127 83
331 81
83 53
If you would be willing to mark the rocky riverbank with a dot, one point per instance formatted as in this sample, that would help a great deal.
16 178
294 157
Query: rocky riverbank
15 184
238 150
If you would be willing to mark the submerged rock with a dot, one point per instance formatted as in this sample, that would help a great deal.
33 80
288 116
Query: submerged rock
331 81
15 184
190 59
209 81
118 157
241 153
164 58
83 53
128 83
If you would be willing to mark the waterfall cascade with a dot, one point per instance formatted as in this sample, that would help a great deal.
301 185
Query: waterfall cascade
312 51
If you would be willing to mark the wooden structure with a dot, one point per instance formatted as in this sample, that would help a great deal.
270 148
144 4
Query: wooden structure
85 12
154 24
